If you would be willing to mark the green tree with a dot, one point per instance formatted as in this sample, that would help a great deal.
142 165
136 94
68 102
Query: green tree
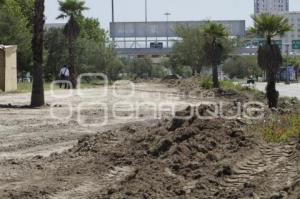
90 29
269 54
27 9
15 30
56 52
189 51
241 67
214 48
37 97
72 9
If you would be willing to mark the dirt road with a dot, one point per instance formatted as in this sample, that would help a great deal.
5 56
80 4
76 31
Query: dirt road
28 132
121 150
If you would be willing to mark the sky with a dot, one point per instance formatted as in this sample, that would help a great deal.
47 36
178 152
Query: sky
133 10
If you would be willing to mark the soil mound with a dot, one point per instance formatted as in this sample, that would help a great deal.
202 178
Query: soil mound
186 160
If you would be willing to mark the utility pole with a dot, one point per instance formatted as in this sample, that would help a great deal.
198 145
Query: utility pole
146 22
167 15
113 20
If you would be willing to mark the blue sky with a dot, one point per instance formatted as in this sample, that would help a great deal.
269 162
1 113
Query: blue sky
133 10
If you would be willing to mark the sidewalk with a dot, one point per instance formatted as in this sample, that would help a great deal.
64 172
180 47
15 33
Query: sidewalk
286 90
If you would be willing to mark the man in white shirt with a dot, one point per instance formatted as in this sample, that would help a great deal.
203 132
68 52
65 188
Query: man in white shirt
64 75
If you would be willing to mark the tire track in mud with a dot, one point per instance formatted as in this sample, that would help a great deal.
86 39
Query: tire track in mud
274 167
89 186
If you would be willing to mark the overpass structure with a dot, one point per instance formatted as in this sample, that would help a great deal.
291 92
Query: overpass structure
155 39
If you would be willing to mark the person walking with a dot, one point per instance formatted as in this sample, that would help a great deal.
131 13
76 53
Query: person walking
64 75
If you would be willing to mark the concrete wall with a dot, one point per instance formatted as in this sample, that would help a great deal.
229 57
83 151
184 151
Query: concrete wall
164 29
8 68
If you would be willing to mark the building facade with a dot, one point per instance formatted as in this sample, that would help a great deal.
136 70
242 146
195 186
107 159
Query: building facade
287 40
270 6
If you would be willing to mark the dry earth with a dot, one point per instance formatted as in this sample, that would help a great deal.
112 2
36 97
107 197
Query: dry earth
142 156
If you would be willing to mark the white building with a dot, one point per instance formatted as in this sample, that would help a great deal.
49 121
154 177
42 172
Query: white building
294 21
271 6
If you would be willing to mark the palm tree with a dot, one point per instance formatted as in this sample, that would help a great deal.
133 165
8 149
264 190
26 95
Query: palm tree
37 97
269 54
214 34
71 9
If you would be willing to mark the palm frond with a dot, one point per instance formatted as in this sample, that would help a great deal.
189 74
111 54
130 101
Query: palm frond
215 30
269 25
72 7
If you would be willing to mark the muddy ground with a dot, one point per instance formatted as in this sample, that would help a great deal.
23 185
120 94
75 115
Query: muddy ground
42 156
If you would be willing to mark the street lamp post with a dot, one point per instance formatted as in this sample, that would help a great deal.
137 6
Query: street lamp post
146 21
287 65
167 14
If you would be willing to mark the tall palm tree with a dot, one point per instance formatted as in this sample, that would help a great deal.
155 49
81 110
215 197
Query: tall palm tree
269 54
71 9
214 34
37 97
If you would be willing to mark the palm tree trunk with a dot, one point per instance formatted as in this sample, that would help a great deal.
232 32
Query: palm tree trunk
214 65
272 93
73 71
37 97
215 76
194 70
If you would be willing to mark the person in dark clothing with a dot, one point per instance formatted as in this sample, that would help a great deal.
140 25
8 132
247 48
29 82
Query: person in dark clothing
64 75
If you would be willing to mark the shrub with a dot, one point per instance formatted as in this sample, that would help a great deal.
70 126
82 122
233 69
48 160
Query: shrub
280 128
206 82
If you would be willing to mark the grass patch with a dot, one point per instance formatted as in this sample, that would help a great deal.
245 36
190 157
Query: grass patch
280 127
25 87
206 82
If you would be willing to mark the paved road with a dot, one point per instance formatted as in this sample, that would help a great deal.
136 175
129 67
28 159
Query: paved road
292 90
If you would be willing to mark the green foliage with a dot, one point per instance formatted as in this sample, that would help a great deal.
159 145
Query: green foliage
241 67
215 36
181 70
92 53
269 25
25 87
56 53
71 9
206 82
143 68
200 46
27 9
90 29
280 127
269 55
190 50
15 30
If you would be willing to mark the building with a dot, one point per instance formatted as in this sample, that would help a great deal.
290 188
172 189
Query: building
156 38
294 35
270 6
8 68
